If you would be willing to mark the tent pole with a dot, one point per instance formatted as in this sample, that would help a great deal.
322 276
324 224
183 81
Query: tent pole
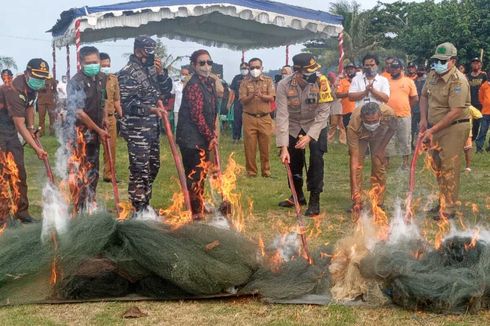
54 61
287 55
77 42
341 52
67 62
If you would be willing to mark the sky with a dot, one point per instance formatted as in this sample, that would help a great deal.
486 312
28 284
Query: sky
24 24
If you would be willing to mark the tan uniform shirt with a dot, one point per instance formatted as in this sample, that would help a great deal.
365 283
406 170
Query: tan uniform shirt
113 95
47 95
357 132
249 85
445 93
294 113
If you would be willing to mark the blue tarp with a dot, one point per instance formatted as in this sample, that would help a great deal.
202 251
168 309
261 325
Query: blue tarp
234 18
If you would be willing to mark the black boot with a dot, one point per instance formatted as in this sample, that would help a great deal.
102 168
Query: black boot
313 204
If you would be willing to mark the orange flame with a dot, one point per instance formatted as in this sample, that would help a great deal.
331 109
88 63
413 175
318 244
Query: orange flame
177 214
54 269
379 215
125 208
9 179
474 239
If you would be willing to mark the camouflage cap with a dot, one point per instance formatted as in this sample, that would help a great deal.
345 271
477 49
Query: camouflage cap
445 51
144 42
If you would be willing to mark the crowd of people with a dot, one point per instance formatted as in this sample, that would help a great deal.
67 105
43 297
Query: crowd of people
376 114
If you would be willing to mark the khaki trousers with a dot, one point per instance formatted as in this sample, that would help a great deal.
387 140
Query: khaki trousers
112 129
257 130
336 123
378 169
51 110
446 162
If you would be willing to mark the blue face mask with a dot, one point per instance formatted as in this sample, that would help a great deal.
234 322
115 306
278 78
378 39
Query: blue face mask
440 68
36 83
105 70
91 69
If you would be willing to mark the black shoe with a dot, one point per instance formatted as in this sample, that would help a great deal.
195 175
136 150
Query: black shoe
313 204
288 203
435 209
447 216
109 180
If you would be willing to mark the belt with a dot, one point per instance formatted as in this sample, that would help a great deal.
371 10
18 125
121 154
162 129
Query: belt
110 114
455 122
257 115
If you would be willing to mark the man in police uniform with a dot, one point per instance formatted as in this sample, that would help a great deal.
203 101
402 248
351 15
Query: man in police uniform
445 124
142 82
303 106
256 94
372 125
17 115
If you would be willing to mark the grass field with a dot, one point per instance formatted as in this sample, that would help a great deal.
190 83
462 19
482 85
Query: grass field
265 193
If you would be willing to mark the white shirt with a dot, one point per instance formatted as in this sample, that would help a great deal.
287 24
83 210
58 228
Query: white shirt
177 89
359 83
61 88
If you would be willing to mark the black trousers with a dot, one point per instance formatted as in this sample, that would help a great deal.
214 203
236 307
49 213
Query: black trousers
12 146
346 119
88 170
196 175
314 174
237 120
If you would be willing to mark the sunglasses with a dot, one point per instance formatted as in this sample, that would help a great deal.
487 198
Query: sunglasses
149 50
442 62
208 62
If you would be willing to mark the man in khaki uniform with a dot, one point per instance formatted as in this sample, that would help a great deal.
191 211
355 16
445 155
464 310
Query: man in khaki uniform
46 103
256 94
371 125
112 107
303 106
445 124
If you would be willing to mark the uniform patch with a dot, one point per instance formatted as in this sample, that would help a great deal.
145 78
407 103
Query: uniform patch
457 89
22 97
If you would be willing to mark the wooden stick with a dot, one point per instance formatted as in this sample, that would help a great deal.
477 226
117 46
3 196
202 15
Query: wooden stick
112 168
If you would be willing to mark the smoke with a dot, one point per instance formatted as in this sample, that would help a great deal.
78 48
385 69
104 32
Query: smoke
287 245
399 230
55 213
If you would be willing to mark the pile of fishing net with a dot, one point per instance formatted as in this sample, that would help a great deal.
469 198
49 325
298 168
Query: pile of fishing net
99 257
453 278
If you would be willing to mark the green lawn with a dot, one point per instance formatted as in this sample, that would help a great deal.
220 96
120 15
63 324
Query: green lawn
265 193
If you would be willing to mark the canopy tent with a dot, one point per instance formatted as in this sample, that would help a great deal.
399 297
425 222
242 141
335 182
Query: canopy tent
234 24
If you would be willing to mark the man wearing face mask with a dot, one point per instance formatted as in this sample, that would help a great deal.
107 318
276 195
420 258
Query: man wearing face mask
342 92
369 86
303 106
112 109
177 89
237 105
476 78
142 82
403 97
372 125
256 94
445 125
7 77
17 116
86 97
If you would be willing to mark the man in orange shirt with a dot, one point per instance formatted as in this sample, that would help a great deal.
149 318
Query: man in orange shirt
484 97
403 96
342 92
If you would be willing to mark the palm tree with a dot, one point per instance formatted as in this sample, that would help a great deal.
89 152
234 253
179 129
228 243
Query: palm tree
7 62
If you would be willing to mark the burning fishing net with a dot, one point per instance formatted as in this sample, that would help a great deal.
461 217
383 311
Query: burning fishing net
99 257
453 278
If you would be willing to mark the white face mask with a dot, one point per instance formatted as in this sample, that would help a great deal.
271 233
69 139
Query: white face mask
105 70
255 73
244 72
204 71
371 127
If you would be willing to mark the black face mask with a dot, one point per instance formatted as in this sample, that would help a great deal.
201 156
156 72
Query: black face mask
351 75
150 60
310 79
396 76
420 73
